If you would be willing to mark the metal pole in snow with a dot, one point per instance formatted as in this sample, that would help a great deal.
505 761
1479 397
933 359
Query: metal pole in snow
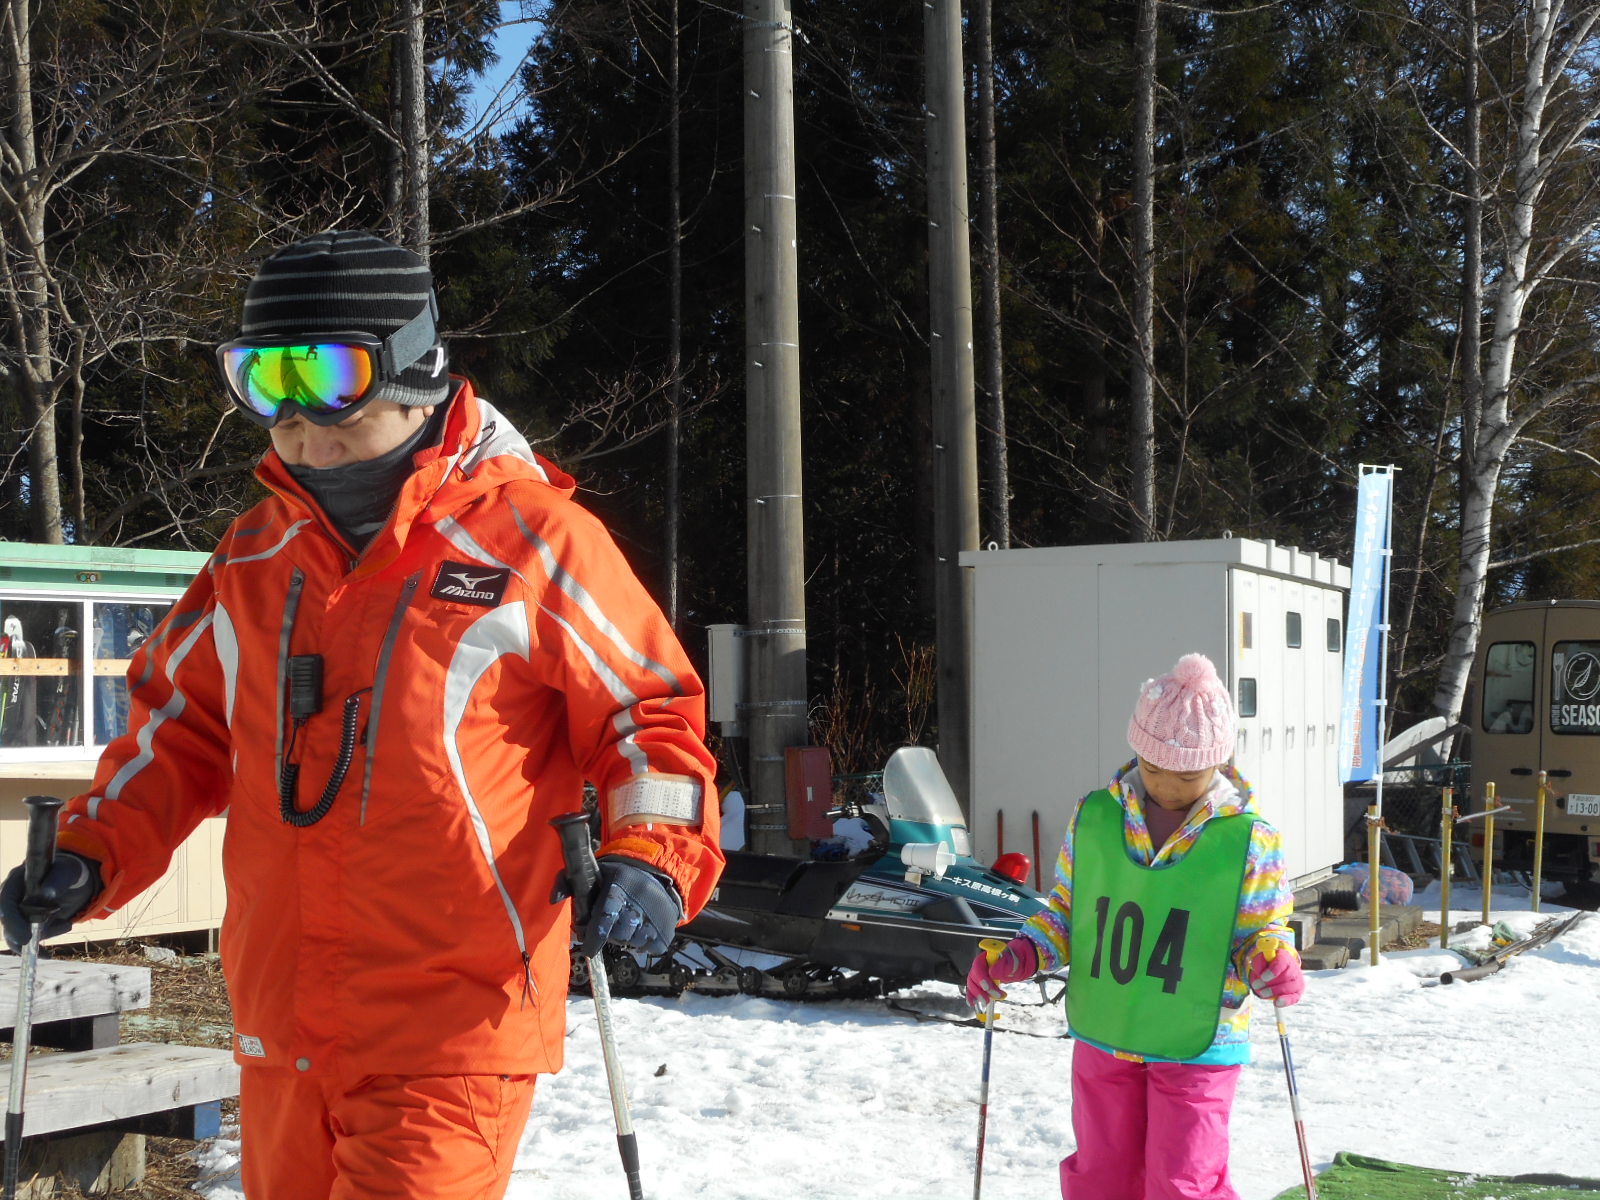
992 948
1294 1105
41 853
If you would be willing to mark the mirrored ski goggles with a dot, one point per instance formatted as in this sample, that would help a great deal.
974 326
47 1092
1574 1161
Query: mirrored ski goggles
324 380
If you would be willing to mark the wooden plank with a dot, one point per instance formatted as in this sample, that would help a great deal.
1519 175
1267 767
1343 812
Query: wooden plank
39 666
62 666
93 1087
100 1163
65 989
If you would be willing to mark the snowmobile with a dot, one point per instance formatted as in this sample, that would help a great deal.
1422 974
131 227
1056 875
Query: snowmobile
909 907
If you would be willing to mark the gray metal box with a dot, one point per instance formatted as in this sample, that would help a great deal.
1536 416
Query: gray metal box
725 684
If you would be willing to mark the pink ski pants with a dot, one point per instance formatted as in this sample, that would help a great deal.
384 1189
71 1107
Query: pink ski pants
1148 1131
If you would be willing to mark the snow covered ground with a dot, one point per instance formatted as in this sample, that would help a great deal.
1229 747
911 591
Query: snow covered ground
744 1099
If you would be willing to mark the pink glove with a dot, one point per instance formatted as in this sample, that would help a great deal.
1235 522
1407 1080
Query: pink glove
1019 960
1275 973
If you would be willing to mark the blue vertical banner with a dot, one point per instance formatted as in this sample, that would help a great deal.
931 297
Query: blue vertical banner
1366 629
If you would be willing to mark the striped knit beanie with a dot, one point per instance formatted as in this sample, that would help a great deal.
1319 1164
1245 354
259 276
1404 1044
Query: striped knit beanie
355 282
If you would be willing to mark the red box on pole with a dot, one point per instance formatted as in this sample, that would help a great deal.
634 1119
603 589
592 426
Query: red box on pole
808 780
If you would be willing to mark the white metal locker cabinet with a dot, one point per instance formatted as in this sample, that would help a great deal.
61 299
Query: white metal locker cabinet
1063 637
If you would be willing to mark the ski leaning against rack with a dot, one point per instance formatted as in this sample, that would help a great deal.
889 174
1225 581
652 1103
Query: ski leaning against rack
1547 931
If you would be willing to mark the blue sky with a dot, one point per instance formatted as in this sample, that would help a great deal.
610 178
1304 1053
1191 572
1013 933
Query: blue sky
520 22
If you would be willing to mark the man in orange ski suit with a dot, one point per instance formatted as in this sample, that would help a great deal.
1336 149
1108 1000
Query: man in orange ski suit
390 675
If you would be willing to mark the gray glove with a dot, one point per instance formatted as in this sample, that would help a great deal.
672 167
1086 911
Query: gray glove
636 907
64 892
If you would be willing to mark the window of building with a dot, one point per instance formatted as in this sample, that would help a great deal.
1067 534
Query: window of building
1247 697
60 688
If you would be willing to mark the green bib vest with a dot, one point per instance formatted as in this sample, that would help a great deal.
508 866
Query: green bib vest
1150 945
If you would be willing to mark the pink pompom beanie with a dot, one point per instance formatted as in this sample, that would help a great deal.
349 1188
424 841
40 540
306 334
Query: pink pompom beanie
1184 721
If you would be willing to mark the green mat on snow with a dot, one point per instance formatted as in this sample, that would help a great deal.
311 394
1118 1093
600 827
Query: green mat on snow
1357 1177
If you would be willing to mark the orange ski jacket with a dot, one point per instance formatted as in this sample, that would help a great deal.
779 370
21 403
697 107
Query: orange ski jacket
488 652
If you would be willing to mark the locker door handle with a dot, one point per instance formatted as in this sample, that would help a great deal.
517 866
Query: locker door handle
1559 773
1524 771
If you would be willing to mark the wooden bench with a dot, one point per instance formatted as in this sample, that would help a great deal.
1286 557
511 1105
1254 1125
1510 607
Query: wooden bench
88 1110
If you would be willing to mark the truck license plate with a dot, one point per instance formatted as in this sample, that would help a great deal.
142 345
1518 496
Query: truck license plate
1579 805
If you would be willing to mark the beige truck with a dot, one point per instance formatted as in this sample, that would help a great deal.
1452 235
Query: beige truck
1535 707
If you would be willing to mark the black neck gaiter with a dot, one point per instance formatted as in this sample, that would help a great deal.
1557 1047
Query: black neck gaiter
358 497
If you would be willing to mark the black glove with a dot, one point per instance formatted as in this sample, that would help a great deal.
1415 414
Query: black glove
635 906
64 892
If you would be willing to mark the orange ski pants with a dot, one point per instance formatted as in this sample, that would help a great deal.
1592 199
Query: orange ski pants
379 1137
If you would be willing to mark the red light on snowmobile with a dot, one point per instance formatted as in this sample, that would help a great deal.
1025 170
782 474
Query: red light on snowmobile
1014 866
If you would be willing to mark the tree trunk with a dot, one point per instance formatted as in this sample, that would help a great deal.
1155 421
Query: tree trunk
1400 621
416 155
77 389
1499 425
37 382
1471 341
1141 389
394 179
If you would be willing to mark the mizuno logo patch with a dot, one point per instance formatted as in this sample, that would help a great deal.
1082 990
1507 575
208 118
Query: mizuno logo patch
471 584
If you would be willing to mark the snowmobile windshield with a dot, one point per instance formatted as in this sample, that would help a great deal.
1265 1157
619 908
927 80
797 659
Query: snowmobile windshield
916 792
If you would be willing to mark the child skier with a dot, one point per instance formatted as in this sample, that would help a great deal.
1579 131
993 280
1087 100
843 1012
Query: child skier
1181 897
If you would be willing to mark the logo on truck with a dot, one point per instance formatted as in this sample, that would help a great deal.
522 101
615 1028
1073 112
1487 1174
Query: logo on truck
1580 676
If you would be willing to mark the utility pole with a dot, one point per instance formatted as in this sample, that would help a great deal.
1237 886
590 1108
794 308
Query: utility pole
775 629
996 515
955 425
674 485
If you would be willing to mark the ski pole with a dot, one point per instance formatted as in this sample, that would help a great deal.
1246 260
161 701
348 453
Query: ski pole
583 878
1294 1104
41 854
992 948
